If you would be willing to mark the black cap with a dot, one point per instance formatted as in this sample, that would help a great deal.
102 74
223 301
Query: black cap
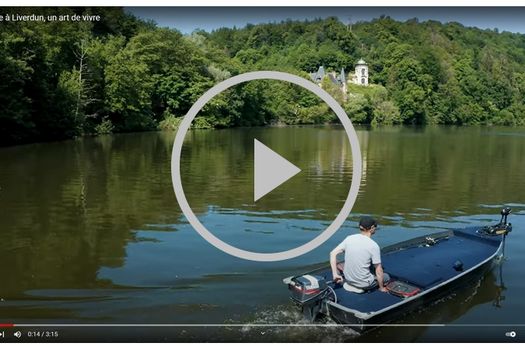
367 222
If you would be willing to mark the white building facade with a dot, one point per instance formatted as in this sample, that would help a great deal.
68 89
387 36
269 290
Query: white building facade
361 73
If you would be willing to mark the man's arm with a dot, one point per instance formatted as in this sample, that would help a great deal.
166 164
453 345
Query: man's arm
333 263
380 277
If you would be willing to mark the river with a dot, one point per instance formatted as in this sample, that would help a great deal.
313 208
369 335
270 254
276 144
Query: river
90 230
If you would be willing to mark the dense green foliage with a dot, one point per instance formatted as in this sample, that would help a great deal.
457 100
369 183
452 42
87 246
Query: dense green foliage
63 79
433 73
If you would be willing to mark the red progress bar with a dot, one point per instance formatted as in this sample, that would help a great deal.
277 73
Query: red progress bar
6 325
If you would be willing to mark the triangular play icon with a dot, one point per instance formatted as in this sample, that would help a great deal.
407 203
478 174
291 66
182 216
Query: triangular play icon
270 170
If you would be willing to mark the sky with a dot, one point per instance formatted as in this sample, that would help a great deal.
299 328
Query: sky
187 19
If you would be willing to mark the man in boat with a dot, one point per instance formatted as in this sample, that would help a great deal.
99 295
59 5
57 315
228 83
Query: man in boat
361 253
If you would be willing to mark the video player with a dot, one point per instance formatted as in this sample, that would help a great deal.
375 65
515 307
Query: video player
262 174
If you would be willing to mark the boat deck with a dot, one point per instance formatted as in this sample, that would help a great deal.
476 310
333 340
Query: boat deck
422 266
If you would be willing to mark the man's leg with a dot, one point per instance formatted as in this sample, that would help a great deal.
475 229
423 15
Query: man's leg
386 279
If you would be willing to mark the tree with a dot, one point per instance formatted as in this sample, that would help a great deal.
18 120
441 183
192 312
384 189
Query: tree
62 79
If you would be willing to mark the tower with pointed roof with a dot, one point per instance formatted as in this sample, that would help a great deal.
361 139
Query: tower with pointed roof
318 76
334 78
342 78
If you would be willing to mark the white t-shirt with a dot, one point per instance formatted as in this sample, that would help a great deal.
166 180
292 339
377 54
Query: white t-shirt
360 252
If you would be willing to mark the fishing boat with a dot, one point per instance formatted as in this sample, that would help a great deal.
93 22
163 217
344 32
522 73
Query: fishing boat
422 270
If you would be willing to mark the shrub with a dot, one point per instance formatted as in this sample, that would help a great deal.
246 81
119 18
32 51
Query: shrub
105 127
202 123
170 122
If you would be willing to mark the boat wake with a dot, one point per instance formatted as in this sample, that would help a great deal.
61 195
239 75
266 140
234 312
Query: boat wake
285 323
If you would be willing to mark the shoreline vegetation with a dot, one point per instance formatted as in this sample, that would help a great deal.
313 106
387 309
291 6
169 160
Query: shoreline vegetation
122 74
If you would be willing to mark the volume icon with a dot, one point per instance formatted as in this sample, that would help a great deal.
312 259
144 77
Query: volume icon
18 334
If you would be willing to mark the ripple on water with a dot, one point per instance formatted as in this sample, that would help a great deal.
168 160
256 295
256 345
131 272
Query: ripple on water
285 323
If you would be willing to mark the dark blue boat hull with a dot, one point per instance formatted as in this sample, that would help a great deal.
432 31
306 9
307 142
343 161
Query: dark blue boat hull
432 268
361 325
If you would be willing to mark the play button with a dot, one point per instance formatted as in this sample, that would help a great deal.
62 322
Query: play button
271 170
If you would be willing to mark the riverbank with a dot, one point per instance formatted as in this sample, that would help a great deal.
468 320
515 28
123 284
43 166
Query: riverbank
124 74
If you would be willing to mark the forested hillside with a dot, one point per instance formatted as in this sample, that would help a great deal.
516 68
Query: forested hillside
64 79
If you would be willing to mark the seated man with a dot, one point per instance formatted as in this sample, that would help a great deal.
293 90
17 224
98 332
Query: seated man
360 253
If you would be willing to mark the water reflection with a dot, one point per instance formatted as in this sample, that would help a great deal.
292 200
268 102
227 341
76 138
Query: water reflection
90 229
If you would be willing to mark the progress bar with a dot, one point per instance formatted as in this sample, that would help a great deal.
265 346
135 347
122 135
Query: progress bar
9 325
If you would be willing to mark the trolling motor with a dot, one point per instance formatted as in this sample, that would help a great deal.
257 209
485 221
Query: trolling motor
501 228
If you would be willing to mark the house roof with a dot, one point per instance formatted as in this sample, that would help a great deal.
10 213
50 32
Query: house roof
333 79
319 75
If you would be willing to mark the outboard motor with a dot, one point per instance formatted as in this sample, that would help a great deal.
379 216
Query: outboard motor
309 291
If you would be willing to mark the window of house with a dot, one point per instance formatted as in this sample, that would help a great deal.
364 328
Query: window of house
362 80
363 71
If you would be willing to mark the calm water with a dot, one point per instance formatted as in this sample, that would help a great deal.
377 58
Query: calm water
90 230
